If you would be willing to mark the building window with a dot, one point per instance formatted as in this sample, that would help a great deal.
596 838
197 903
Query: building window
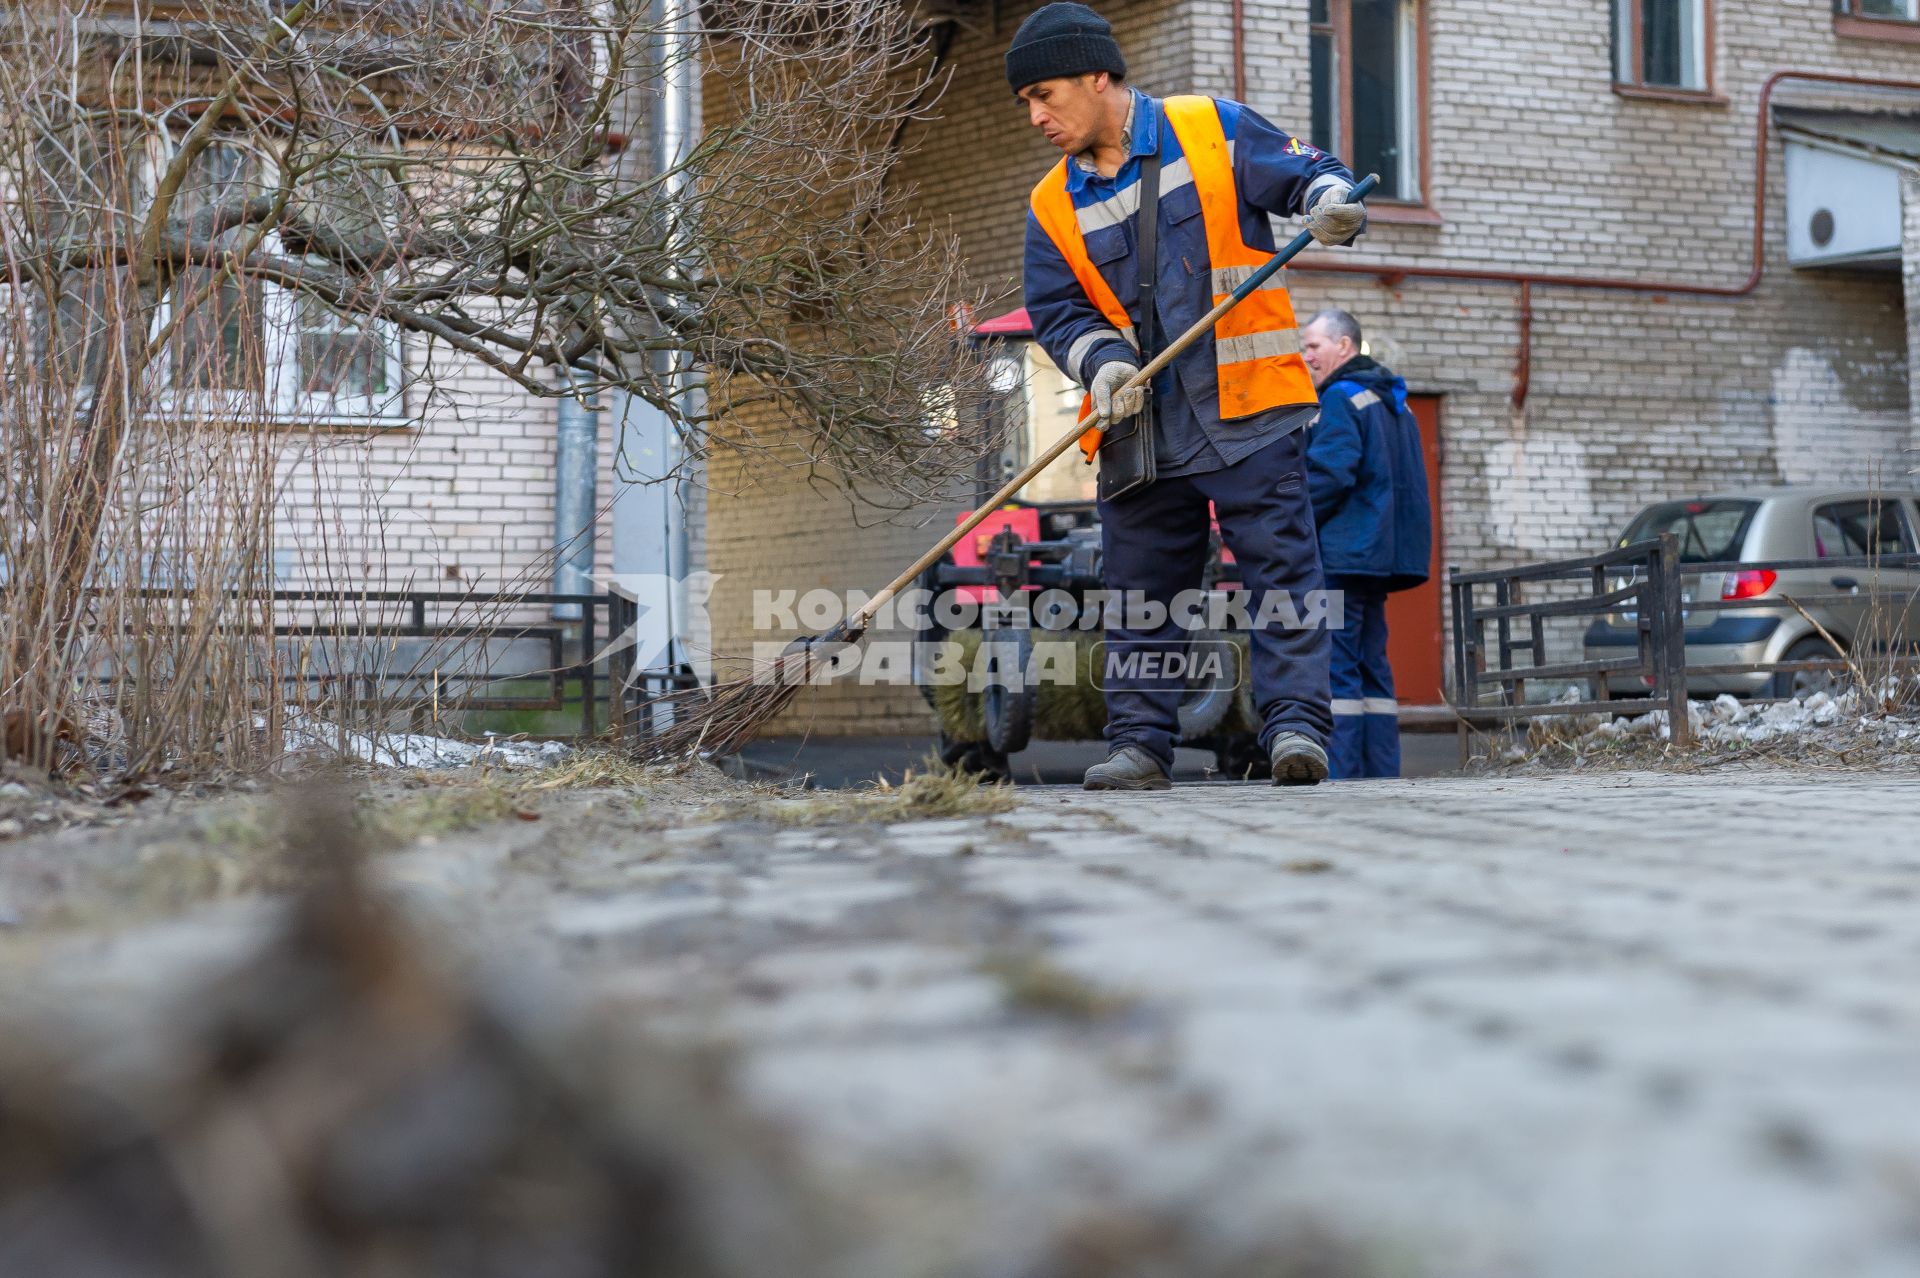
1662 44
1897 10
81 192
344 365
1886 21
251 349
219 346
1366 63
260 346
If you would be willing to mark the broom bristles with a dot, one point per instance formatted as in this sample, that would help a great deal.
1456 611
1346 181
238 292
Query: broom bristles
711 722
715 720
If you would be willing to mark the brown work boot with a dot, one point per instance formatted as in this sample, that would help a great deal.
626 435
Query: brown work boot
1128 768
1297 760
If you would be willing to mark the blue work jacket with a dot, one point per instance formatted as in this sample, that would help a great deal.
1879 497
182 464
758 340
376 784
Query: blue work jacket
1367 476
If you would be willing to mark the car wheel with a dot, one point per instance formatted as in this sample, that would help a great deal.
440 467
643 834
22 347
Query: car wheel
1801 684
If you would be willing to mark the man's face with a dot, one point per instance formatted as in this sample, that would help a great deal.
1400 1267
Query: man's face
1324 352
1069 109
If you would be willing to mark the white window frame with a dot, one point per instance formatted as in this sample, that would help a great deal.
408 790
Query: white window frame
285 374
283 399
1407 72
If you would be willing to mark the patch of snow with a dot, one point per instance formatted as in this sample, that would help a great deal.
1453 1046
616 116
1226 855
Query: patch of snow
1726 722
419 749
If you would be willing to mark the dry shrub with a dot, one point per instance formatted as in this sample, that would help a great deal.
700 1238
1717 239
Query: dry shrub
222 237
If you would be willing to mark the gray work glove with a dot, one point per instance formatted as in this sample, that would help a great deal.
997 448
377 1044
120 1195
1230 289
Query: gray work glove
1109 401
1335 219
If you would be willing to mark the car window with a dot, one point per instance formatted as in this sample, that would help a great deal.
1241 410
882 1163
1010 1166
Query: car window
1872 527
1709 531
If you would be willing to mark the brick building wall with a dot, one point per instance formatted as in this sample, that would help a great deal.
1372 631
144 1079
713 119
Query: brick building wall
1536 164
459 498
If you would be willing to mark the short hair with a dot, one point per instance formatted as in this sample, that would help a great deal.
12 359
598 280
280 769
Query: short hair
1340 323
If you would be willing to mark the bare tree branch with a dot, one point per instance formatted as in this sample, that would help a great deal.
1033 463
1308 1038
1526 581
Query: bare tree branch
479 178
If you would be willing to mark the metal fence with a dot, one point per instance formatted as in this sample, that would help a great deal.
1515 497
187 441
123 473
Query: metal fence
1653 592
453 652
1646 581
419 653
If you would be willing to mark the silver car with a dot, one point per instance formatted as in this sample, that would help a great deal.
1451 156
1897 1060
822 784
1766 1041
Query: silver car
1758 525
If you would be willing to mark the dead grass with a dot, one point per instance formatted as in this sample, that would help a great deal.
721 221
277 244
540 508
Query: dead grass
440 810
233 848
1031 982
601 770
1854 733
157 862
932 793
238 846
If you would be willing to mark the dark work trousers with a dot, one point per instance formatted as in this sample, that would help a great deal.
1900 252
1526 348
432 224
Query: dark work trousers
1366 718
1155 542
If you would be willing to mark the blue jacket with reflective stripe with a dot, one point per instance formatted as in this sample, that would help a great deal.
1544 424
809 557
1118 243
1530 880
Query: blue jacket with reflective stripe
1367 476
1273 173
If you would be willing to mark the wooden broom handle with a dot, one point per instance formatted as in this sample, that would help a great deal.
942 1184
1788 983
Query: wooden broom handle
864 614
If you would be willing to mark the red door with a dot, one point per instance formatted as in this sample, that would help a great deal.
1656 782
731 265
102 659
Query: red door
1416 645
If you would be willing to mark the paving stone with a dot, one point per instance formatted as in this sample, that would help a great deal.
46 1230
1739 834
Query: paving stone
608 916
1606 1026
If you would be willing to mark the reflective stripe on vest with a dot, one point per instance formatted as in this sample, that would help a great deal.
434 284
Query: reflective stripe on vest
1053 209
1256 348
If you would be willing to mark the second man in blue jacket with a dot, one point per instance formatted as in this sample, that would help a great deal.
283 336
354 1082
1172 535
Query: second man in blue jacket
1367 477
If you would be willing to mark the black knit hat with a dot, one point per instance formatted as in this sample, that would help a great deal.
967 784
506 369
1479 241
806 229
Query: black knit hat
1062 39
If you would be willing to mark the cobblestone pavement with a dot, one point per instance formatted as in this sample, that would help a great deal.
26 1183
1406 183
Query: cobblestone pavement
1618 1026
1613 1025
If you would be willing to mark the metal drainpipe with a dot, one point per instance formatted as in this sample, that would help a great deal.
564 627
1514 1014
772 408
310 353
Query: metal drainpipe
576 466
673 132
1239 22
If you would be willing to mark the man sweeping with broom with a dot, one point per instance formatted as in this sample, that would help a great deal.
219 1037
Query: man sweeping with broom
1231 390
1157 211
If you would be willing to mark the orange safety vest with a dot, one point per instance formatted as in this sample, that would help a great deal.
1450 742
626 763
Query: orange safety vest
1256 346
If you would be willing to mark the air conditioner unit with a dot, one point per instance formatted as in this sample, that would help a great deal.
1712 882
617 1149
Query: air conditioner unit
1842 210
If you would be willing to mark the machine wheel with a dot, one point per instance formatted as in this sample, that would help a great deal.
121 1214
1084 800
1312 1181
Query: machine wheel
1801 684
1239 758
1208 699
1008 712
974 756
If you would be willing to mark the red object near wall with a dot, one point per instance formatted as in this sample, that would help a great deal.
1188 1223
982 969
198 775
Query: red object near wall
1416 638
970 552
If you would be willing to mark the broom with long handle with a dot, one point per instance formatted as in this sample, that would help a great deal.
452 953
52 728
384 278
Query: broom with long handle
721 719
